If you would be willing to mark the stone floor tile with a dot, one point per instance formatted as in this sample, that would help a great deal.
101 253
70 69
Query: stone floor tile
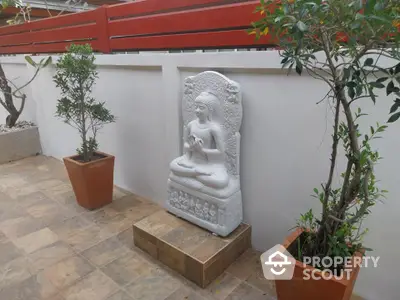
87 237
119 193
50 255
68 200
184 293
105 252
36 240
8 252
121 295
127 268
109 219
95 286
67 271
3 238
67 228
245 265
35 287
21 226
31 199
123 204
247 292
157 285
145 209
49 211
221 287
126 237
15 271
258 280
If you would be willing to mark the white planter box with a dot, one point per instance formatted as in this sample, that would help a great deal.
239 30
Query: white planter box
19 144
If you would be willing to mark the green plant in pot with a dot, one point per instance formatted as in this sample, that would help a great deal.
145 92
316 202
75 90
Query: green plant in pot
91 172
353 47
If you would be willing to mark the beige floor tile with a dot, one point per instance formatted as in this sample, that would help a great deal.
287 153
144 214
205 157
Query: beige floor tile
127 268
245 265
3 238
28 200
36 240
185 293
49 211
95 286
258 280
109 219
106 251
143 210
15 271
220 288
87 237
157 285
34 288
123 204
8 252
67 271
247 292
66 228
50 255
121 295
18 227
126 237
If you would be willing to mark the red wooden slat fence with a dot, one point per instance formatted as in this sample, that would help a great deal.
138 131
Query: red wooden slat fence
139 25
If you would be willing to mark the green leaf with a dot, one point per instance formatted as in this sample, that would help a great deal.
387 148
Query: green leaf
316 190
47 62
394 107
301 26
372 130
30 61
394 118
299 67
351 92
369 61
382 79
397 69
351 84
390 88
377 85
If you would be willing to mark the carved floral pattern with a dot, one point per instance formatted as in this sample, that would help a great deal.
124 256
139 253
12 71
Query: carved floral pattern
195 206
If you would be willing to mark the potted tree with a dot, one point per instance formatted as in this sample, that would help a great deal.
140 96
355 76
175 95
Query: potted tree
353 47
91 172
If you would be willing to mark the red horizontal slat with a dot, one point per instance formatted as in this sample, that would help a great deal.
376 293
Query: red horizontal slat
15 39
65 20
235 15
87 31
26 49
14 28
232 38
150 6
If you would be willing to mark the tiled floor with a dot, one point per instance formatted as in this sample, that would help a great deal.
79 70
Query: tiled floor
52 249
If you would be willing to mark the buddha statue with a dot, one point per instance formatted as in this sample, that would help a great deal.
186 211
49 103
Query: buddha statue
204 182
203 161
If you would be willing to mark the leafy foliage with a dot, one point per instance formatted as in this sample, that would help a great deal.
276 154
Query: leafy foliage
75 76
352 46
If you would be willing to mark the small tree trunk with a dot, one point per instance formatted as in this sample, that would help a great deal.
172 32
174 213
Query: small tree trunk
11 120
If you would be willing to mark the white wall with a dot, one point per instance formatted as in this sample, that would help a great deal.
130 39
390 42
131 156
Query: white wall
285 145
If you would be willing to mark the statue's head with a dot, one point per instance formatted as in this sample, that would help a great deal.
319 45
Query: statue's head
205 105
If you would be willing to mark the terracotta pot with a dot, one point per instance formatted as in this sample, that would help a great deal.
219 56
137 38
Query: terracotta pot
92 181
323 289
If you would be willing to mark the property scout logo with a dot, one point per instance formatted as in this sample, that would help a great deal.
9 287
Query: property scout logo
278 264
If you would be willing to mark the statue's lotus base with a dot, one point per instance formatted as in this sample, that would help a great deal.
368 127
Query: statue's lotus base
187 249
218 215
